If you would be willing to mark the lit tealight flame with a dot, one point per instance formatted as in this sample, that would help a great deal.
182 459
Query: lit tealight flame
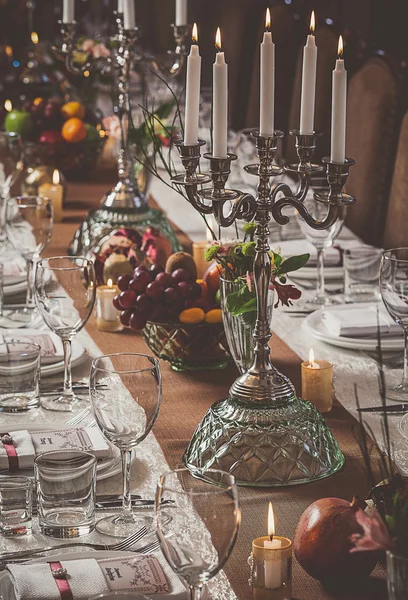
340 47
8 105
271 521
56 177
9 51
110 283
268 19
311 357
194 35
312 22
34 37
86 73
218 39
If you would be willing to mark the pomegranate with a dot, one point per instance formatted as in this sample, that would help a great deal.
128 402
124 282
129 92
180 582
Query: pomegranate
322 541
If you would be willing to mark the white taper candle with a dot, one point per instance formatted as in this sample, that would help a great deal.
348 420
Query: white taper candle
267 89
68 11
120 6
181 12
339 109
307 105
129 19
192 92
220 102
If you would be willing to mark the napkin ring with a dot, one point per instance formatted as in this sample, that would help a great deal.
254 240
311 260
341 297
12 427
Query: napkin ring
6 438
60 573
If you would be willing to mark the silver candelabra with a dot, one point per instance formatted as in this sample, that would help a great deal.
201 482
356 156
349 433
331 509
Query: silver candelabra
262 432
125 205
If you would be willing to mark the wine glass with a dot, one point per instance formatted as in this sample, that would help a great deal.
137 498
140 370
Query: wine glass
10 161
394 292
29 223
65 288
126 393
321 240
204 526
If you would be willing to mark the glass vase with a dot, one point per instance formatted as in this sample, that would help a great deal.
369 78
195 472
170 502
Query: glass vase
397 576
239 330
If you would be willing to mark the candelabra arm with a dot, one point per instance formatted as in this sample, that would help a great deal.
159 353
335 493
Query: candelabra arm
296 201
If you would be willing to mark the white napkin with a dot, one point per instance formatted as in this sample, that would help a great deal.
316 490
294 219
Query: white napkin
88 439
332 256
87 577
359 321
52 349
24 448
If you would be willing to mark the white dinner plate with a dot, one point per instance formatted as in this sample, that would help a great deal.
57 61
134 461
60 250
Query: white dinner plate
313 323
106 467
403 426
15 288
78 356
330 273
7 588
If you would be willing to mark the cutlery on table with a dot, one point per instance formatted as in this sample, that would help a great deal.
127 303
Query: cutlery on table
389 408
125 544
137 503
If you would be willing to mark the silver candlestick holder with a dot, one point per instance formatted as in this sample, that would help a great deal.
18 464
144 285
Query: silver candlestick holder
262 433
125 205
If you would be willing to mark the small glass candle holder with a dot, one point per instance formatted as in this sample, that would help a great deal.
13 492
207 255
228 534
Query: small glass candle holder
107 317
317 384
271 568
199 249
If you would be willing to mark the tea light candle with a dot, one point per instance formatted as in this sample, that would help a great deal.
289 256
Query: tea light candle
274 553
55 192
199 249
107 317
317 382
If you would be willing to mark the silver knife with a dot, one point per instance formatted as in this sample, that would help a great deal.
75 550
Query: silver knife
137 503
389 408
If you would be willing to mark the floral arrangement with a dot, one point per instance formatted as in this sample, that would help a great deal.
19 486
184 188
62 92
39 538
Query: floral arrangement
385 526
87 47
236 260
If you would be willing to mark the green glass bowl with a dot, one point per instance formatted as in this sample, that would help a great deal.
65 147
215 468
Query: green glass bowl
188 347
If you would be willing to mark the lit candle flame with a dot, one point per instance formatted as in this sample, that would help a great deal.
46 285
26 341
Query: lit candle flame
34 37
9 51
194 35
56 177
218 39
86 73
268 19
311 357
312 22
271 521
340 47
8 105
110 283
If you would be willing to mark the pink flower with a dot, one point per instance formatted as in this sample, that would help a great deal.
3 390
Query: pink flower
112 126
285 293
87 45
250 281
99 51
375 534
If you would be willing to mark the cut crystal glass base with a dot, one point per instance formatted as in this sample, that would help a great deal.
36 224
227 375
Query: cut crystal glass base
263 444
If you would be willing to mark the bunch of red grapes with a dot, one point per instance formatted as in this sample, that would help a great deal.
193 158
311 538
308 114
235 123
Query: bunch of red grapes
154 295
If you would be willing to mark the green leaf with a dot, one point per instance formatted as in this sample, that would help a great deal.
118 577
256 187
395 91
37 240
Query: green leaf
248 307
248 249
277 259
238 299
164 110
249 229
211 253
294 263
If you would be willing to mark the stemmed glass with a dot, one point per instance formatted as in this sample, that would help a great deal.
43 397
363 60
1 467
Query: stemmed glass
321 240
125 410
29 223
394 292
204 526
65 289
10 157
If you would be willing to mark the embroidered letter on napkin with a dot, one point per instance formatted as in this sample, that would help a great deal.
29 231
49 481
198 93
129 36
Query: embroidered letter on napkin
87 440
142 574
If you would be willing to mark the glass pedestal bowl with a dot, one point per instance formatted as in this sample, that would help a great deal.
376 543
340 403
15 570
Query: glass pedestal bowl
188 347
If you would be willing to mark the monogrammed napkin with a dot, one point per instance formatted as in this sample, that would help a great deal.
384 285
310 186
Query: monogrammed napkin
16 450
87 577
359 321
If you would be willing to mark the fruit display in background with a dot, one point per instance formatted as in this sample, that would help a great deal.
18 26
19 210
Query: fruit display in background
165 295
18 121
322 542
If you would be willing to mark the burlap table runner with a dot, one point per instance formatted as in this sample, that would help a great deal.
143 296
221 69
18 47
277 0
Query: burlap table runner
186 398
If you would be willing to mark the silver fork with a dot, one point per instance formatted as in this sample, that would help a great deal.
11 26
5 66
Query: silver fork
79 416
125 544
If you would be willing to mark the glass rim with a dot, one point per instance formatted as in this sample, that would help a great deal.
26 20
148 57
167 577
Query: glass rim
44 200
387 254
19 481
156 362
36 348
48 456
46 261
232 487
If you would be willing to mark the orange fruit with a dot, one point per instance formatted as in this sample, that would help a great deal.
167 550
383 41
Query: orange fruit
73 109
73 130
212 278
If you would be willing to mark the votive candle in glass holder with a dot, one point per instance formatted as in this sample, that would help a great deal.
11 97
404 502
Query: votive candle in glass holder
199 249
271 572
317 383
107 317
